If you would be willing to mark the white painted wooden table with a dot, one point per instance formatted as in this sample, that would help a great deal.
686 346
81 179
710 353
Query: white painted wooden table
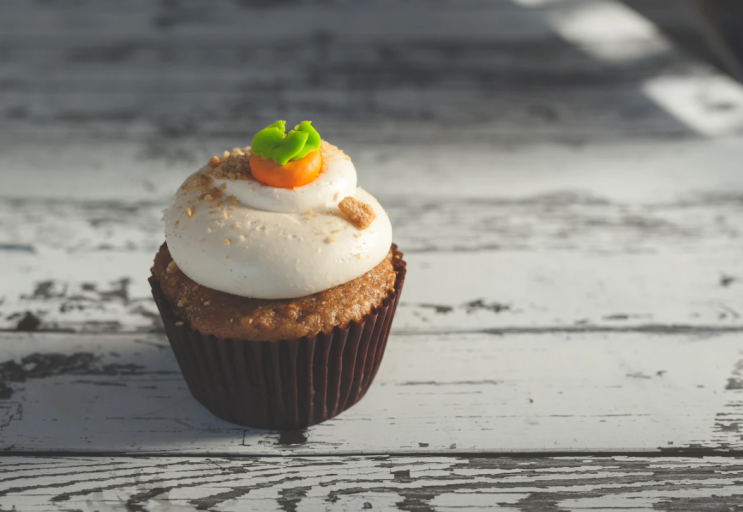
566 185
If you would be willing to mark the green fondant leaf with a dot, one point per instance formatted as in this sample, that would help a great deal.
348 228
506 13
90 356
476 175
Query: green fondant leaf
271 142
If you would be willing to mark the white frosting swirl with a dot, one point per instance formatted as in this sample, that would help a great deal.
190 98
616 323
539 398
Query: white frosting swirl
271 243
337 181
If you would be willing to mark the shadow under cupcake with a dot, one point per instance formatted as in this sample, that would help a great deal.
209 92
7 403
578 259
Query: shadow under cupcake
278 294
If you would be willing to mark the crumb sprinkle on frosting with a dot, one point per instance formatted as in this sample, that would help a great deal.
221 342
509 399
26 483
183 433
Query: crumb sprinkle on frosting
357 212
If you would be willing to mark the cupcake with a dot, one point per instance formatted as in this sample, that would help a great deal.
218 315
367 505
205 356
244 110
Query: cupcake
278 281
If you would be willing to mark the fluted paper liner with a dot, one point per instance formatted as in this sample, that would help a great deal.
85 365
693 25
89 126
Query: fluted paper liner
285 384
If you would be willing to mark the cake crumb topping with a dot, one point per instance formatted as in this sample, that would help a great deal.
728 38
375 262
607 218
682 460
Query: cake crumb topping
172 268
234 165
357 212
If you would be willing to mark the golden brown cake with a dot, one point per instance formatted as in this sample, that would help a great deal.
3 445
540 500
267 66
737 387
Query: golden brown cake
223 315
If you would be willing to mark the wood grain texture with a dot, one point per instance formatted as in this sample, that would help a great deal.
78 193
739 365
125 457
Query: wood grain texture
549 238
424 484
574 283
609 392
108 292
574 280
465 71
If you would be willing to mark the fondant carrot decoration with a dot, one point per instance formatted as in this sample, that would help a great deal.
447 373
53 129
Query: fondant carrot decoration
286 160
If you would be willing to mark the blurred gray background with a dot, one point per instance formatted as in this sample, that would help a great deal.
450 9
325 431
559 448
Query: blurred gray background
118 100
169 75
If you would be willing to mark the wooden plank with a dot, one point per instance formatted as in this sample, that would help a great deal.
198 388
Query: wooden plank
107 291
547 392
610 262
643 173
444 484
637 228
488 114
467 19
504 20
558 221
487 70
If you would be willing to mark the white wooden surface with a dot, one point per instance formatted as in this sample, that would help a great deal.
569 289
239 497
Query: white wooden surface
445 484
656 244
459 393
169 76
567 188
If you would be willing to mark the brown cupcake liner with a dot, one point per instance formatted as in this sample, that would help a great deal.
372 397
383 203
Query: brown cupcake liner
287 384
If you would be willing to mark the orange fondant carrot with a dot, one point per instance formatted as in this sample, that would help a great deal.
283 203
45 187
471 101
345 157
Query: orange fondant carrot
293 174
